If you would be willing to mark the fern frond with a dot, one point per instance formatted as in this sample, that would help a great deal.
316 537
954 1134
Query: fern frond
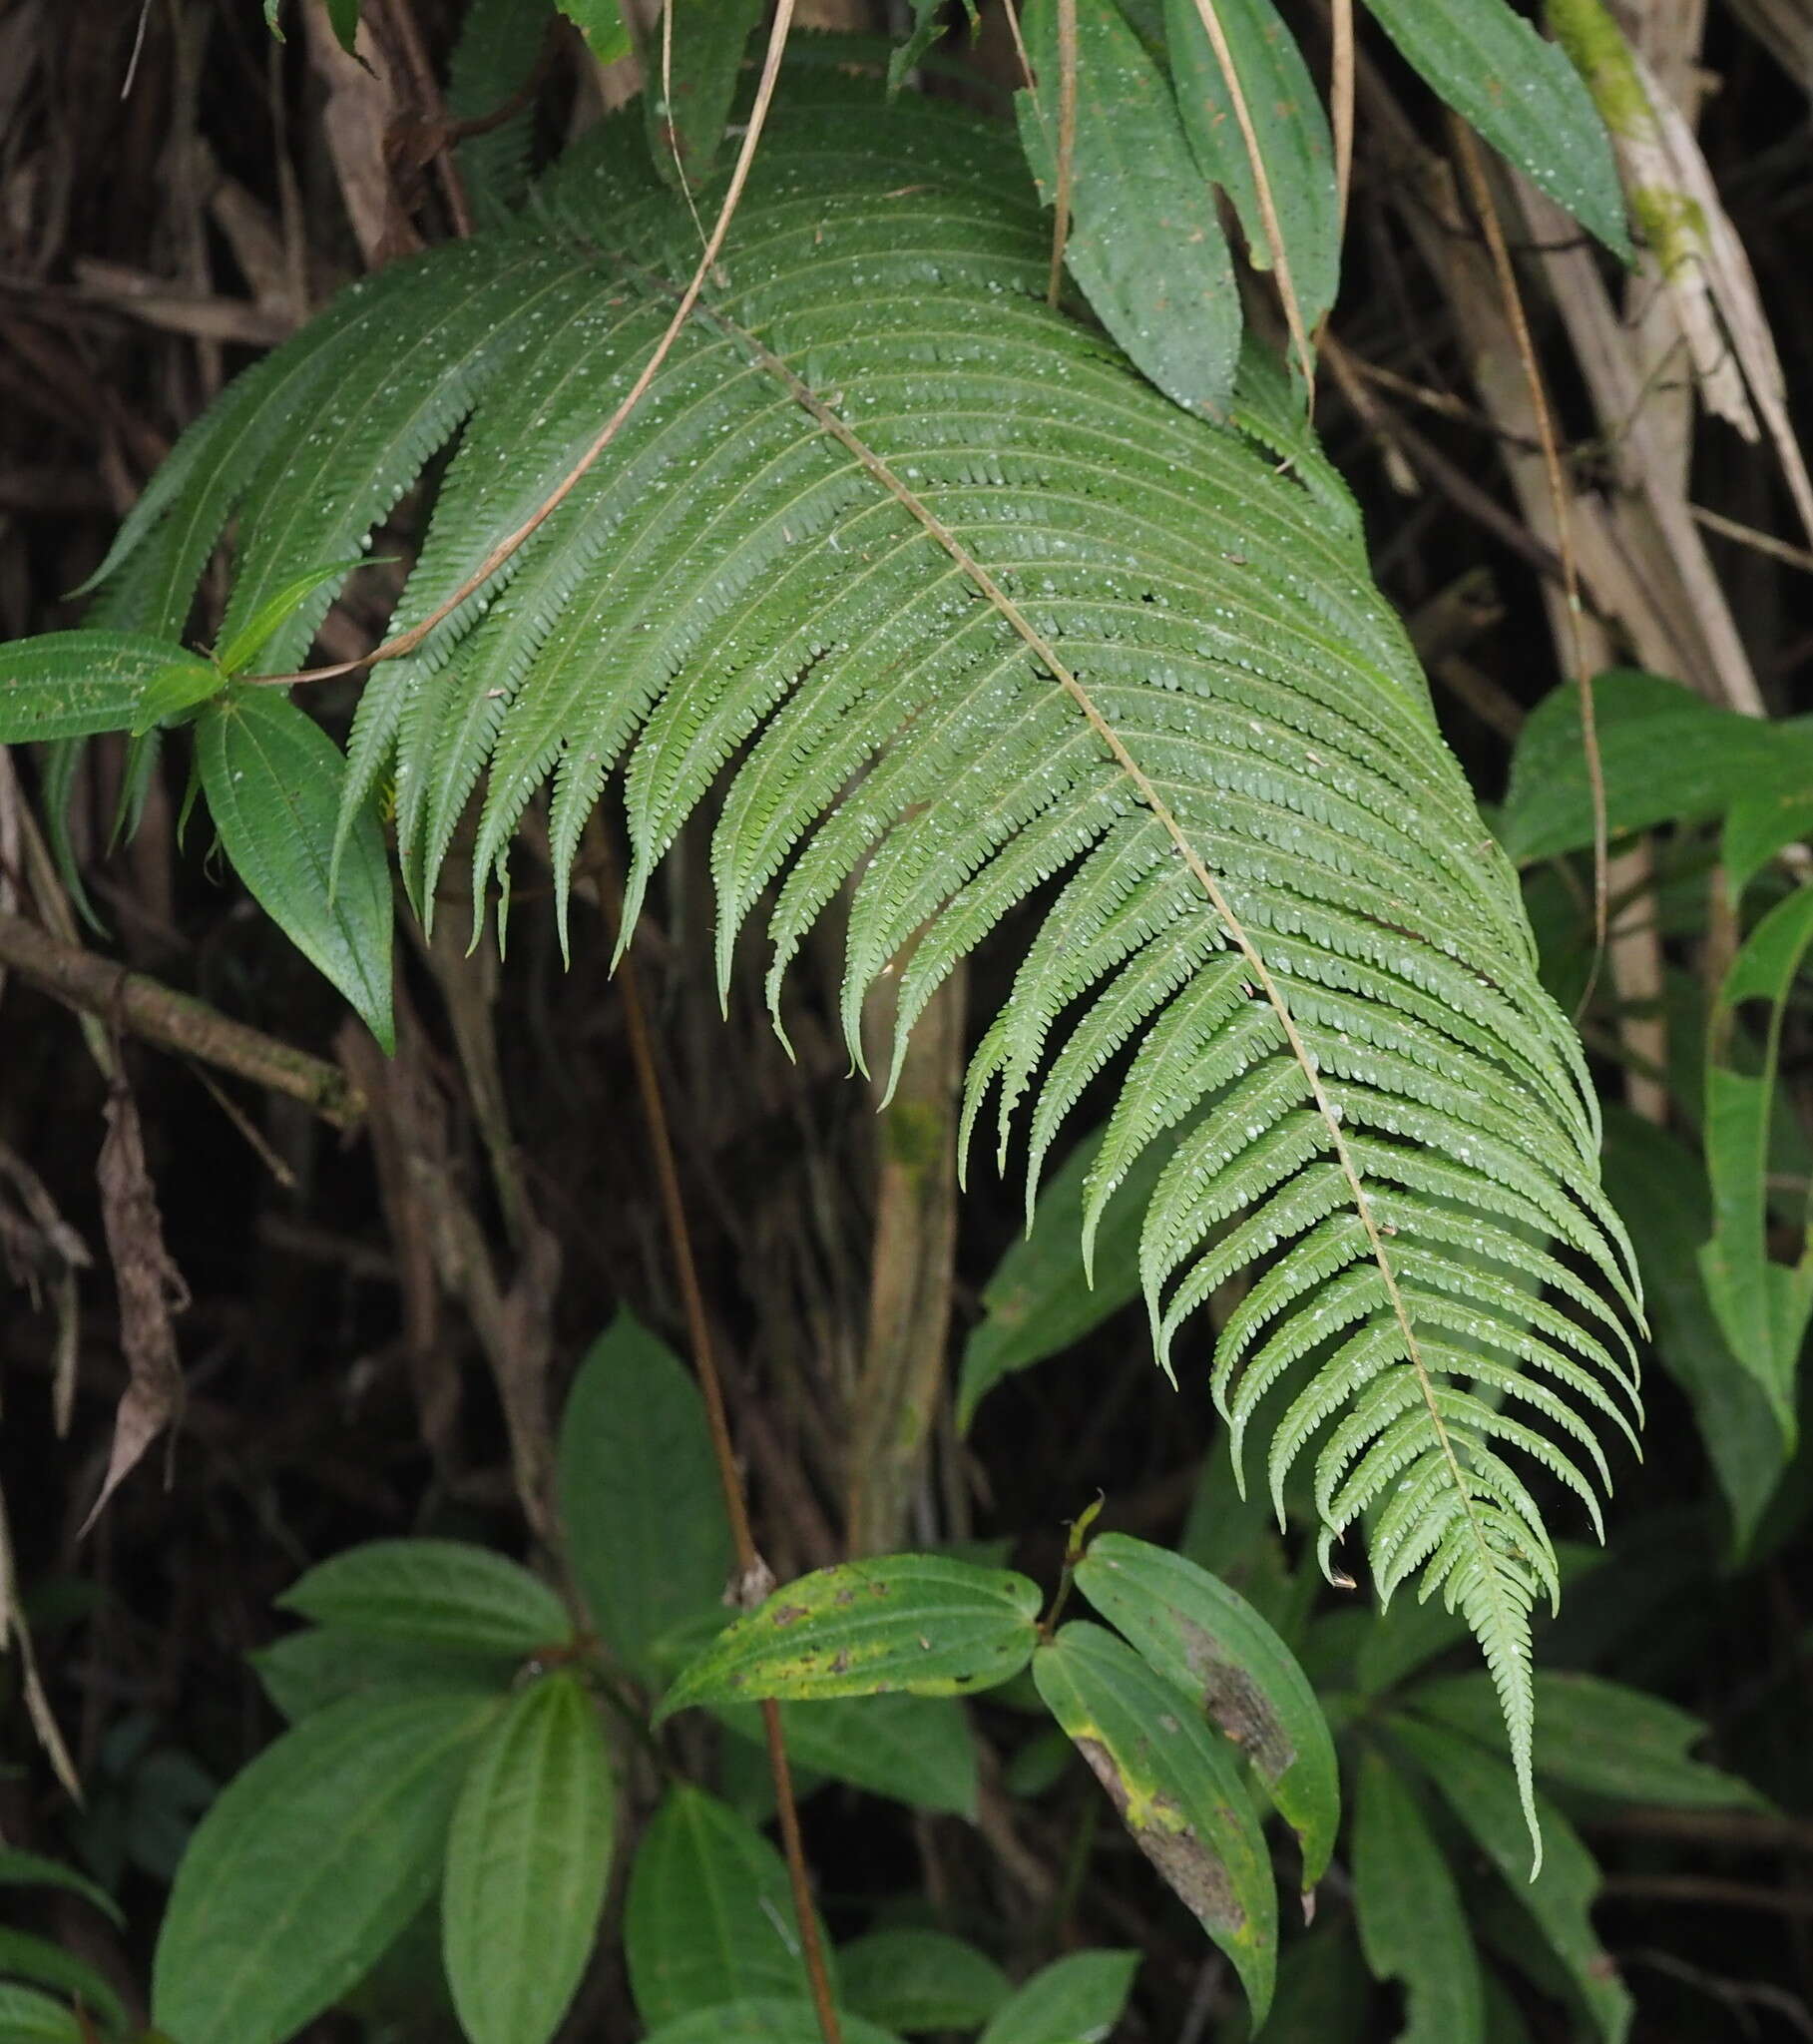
970 617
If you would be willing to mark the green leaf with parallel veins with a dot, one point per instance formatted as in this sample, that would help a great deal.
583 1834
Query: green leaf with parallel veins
761 2019
273 778
921 1980
256 633
1177 1791
173 688
1291 130
19 1868
921 1622
1659 1184
1763 1306
1145 242
686 111
1480 1791
1206 1638
308 1865
43 1964
1042 1297
640 1496
1073 2000
1407 1909
1666 755
1523 96
527 1861
306 1671
71 685
440 1593
709 1913
1599 1736
28 2017
916 1749
602 25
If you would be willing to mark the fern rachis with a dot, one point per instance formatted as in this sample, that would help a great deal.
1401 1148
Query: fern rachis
967 611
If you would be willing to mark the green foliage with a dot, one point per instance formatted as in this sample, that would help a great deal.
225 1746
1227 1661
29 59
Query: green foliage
1524 95
1409 1912
527 1861
639 1497
921 1622
1763 1306
272 779
433 1593
1080 1996
1289 125
28 2017
311 1863
1278 893
1144 241
709 1918
1175 1788
693 60
921 1980
1211 1642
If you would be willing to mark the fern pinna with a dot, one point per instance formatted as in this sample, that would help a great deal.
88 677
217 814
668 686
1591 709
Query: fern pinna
969 613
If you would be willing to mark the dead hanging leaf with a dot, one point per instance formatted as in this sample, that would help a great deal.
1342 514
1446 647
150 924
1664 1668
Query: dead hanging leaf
151 1291
41 1252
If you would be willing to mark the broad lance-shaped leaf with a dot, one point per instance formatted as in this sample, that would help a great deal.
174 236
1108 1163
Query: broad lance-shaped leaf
237 653
1478 1787
71 685
1292 129
175 689
1209 1642
308 1865
762 2019
693 58
1412 1926
968 614
1177 1791
1661 1185
272 779
527 1861
24 1956
710 1912
921 1980
921 1622
1144 243
441 1593
28 2017
1598 1737
639 1497
1666 755
1762 1306
916 1749
1524 95
1080 1996
1042 1297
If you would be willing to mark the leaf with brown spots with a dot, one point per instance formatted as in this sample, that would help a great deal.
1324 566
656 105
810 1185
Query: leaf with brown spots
1177 1791
919 1623
1202 1636
151 1290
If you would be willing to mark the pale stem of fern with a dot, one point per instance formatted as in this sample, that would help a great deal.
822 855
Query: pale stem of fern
1467 150
407 642
1268 211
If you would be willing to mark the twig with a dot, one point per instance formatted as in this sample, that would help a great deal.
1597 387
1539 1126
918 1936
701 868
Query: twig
1067 142
751 1571
1467 151
407 642
1340 94
94 986
1269 213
